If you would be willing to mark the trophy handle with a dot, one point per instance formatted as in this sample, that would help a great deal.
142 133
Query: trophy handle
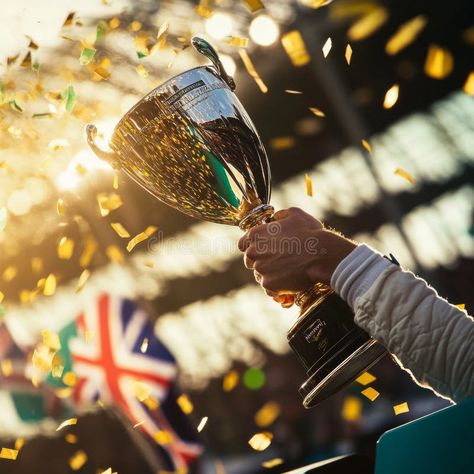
205 48
109 156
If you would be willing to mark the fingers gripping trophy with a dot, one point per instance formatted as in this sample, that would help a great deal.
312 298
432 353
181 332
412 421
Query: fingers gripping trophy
191 144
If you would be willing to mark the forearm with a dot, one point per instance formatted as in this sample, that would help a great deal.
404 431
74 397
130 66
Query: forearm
431 338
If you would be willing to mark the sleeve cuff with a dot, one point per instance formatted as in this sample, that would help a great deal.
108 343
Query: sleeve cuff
357 273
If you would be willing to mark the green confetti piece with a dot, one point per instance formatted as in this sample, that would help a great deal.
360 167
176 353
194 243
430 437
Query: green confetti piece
87 54
70 98
35 66
3 218
141 55
15 106
254 378
100 30
2 310
44 114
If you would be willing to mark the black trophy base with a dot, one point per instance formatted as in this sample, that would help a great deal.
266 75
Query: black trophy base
333 350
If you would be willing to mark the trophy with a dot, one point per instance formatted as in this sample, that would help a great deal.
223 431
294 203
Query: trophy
191 144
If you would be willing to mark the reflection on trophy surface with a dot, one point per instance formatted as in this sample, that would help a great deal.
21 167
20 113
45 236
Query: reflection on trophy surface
192 145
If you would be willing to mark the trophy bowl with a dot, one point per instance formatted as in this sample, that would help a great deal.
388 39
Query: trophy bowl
191 144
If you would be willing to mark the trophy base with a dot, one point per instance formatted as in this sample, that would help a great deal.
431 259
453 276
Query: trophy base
331 347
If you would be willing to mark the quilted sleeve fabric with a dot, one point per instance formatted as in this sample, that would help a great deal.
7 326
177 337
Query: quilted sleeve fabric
429 337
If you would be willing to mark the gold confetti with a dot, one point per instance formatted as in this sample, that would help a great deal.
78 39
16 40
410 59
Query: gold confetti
19 443
439 62
51 340
252 71
78 460
348 54
152 403
70 379
370 393
42 358
317 112
2 296
120 230
141 70
82 280
114 23
141 237
102 72
468 87
149 264
291 91
57 368
108 203
114 253
366 145
90 248
260 441
69 422
352 409
135 26
267 414
366 378
391 97
202 424
401 408
204 11
368 24
115 184
272 463
141 390
49 285
404 174
68 21
60 207
295 48
140 423
7 367
185 404
309 185
163 438
327 47
230 381
9 273
405 35
7 453
71 438
144 346
65 248
282 143
238 41
461 306
254 5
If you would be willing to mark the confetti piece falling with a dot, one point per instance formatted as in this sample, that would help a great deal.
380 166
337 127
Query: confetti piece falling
202 423
401 408
71 438
108 202
49 285
14 105
461 306
19 443
295 48
141 237
405 35
70 379
78 460
141 71
51 339
65 248
439 62
366 145
368 24
7 367
60 207
348 54
291 91
309 185
82 280
252 71
468 87
230 381
260 441
272 463
267 414
114 254
391 97
352 409
370 393
282 143
140 423
70 100
141 390
255 5
69 422
3 218
120 230
90 248
254 378
317 112
69 19
185 404
102 72
366 378
7 453
9 273
238 41
404 174
87 55
327 47
144 346
163 438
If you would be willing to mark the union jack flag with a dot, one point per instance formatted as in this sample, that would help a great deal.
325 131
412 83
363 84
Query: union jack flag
108 360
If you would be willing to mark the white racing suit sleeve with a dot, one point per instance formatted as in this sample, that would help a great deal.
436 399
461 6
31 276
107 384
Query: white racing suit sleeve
431 338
